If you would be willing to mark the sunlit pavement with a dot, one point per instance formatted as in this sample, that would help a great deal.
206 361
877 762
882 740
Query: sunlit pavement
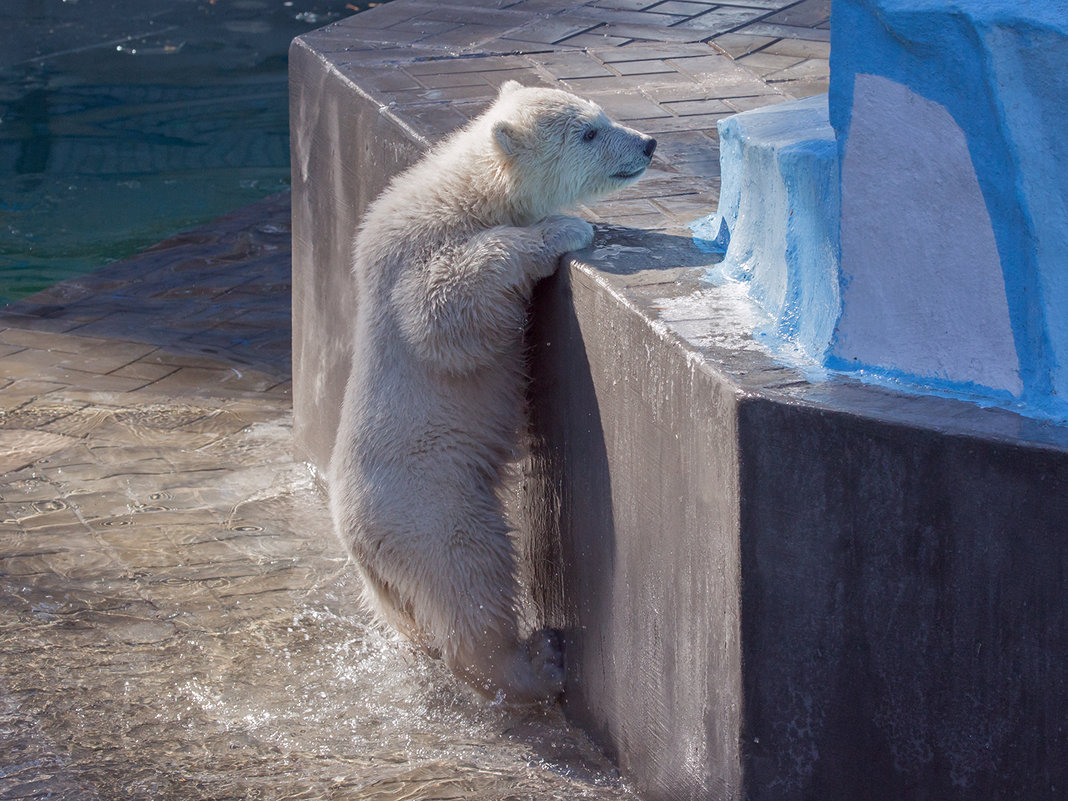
176 617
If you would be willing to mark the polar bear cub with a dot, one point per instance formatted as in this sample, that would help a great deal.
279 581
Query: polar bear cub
445 260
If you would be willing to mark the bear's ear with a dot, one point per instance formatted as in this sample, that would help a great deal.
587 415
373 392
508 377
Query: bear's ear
508 87
507 137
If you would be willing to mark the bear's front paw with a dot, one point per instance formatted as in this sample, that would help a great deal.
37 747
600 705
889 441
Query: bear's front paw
564 234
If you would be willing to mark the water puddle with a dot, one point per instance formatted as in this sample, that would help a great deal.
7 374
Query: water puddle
177 621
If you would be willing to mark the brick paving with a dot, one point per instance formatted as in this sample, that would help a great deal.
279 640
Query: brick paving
221 291
176 620
672 69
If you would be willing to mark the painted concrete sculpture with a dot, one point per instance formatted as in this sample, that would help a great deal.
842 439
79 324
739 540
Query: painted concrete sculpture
927 241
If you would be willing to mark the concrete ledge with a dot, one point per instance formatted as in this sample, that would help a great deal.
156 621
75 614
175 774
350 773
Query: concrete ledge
772 587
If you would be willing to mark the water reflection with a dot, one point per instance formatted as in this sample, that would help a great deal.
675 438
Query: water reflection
125 121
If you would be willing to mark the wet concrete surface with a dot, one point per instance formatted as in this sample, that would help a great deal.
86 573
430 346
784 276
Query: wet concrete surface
772 583
176 618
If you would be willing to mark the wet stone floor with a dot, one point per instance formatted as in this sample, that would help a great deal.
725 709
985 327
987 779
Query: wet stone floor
176 619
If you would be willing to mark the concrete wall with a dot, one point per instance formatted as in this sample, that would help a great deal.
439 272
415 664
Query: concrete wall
771 588
344 150
901 596
937 248
634 487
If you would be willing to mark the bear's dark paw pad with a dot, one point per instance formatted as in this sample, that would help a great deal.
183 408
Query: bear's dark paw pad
545 648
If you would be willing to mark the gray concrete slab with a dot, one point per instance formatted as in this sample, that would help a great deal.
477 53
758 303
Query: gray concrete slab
771 587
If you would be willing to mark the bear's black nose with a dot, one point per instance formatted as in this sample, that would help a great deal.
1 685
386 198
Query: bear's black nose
650 146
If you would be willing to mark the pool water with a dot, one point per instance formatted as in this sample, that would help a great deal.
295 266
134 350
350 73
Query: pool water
125 121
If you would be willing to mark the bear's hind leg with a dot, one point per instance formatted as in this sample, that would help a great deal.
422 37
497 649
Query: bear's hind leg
501 665
476 623
391 608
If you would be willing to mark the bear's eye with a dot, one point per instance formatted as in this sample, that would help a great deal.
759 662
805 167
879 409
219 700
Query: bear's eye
589 134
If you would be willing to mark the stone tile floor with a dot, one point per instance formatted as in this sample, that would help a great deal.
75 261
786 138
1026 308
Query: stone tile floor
176 618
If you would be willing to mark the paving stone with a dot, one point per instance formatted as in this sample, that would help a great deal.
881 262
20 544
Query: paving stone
549 31
606 16
644 67
685 8
650 33
685 209
566 66
808 70
711 63
628 5
764 63
527 77
447 66
723 20
596 38
804 88
741 43
38 365
800 48
433 121
144 370
651 50
460 13
627 108
614 84
684 108
788 32
45 340
747 103
419 27
696 122
465 36
444 98
445 80
808 14
767 5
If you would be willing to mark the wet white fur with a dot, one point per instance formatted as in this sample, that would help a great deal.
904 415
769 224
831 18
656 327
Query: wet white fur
444 264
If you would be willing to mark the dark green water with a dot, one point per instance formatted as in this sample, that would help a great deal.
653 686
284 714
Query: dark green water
125 121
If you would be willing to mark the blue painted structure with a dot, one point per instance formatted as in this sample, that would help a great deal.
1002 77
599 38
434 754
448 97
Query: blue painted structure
779 198
940 250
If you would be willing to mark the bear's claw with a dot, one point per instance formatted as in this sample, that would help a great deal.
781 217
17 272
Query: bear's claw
564 234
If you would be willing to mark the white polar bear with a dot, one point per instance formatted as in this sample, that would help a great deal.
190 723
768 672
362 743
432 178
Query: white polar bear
445 261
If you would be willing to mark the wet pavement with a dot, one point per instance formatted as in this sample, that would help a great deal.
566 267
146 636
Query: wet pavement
176 618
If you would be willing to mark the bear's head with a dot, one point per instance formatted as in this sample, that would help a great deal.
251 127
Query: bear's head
560 149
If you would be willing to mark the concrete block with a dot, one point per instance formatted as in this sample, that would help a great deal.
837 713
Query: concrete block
344 150
954 183
771 588
777 219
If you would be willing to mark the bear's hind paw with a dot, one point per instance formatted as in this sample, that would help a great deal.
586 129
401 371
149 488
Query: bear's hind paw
547 661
